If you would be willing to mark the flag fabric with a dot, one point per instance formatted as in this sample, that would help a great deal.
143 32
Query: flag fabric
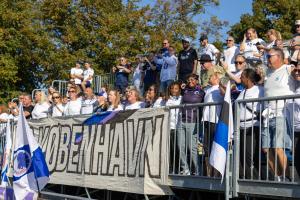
223 135
109 117
31 172
6 160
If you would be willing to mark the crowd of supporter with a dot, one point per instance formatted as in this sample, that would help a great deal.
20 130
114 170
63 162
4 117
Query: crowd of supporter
255 68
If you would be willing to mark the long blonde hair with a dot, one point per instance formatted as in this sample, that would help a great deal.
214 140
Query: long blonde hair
118 99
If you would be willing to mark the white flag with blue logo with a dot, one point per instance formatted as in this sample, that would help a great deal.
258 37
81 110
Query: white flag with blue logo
223 135
6 161
31 172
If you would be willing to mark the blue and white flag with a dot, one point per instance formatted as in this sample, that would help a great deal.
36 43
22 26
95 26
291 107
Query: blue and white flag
6 160
223 135
31 172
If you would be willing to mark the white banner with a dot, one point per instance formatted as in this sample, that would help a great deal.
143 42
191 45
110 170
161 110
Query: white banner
128 154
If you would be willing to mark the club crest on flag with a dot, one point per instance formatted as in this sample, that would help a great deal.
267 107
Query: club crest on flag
22 162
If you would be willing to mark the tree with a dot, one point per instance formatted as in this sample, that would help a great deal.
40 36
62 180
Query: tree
277 14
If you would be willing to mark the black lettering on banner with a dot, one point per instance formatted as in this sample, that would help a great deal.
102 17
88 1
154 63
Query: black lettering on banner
117 150
52 148
86 148
101 147
63 152
153 151
74 149
44 133
134 139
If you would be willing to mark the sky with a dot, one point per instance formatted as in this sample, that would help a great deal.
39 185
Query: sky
229 10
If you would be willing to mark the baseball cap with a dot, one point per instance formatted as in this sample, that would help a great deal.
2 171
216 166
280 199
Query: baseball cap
205 58
203 37
186 39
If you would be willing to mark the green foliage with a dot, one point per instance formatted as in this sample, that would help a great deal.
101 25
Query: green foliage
277 14
40 41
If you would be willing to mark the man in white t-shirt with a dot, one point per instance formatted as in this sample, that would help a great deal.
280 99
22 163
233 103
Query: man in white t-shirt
77 74
230 53
209 49
88 74
275 136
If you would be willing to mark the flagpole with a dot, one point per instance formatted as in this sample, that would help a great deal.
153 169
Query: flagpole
10 170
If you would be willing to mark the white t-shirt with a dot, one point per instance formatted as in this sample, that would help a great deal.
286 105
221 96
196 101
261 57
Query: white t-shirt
58 110
278 82
251 49
40 110
245 114
211 50
229 55
211 113
87 73
4 116
174 112
168 70
77 71
87 106
136 105
136 78
120 107
73 108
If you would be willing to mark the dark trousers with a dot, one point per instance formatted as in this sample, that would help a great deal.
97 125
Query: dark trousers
297 155
249 152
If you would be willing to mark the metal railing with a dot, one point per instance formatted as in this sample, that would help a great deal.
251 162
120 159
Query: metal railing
60 86
266 152
249 170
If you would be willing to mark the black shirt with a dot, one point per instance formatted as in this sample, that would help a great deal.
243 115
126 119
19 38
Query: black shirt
186 60
28 109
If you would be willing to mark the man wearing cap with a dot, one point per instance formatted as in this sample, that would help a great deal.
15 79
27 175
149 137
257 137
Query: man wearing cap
207 48
187 60
208 68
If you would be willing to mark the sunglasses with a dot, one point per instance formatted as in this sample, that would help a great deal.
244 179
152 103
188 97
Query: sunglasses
71 91
270 55
229 40
296 71
165 43
297 26
237 62
56 97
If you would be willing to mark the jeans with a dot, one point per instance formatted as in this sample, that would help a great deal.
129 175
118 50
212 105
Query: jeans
164 86
187 141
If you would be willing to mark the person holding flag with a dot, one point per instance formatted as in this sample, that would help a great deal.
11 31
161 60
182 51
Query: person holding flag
223 135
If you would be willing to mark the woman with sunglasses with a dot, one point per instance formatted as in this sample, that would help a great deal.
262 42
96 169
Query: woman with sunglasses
57 108
240 64
73 107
